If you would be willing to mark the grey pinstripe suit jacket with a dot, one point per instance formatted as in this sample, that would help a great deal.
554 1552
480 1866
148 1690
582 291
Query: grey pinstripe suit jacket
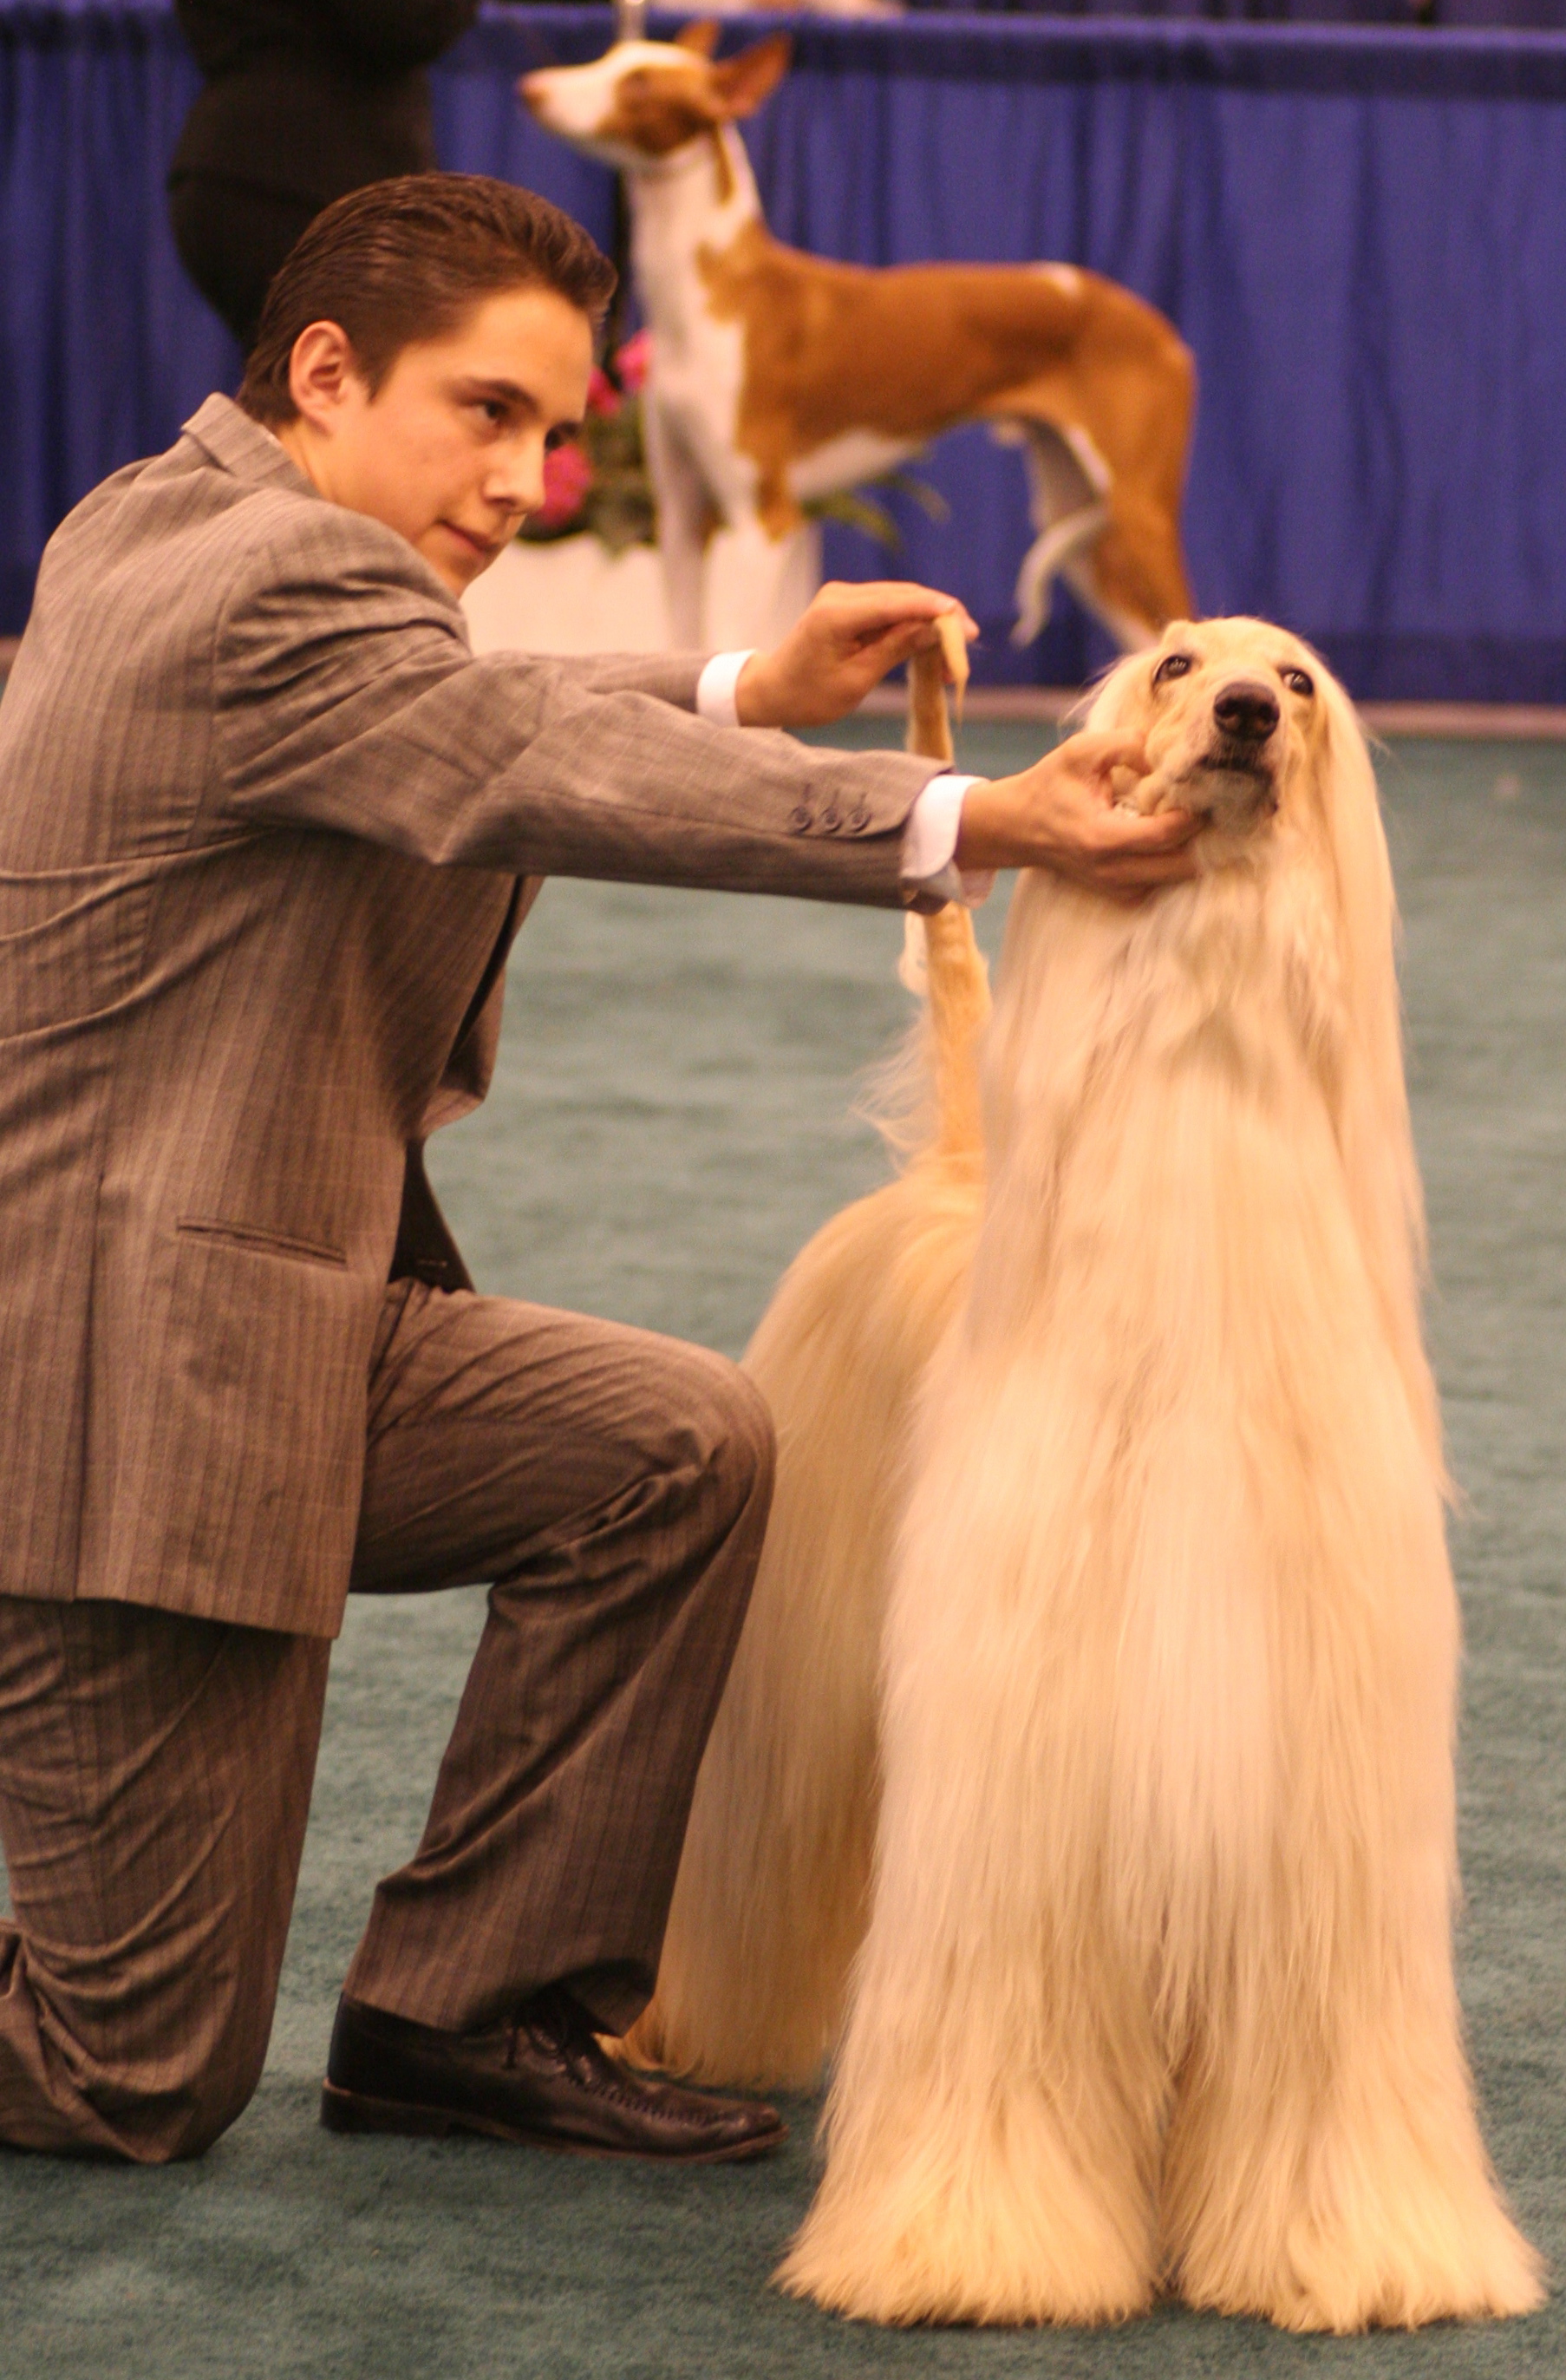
262 819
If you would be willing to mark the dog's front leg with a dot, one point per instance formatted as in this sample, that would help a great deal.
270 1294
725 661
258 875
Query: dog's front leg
685 518
995 2115
994 2123
1324 2166
1327 2172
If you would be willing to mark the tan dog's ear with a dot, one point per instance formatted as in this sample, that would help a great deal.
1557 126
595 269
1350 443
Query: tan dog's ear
1373 1133
700 35
744 83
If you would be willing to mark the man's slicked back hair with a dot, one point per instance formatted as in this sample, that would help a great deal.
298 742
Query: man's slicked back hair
404 260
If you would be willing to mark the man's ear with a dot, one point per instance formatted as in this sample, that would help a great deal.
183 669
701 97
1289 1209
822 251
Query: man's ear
742 83
322 370
701 36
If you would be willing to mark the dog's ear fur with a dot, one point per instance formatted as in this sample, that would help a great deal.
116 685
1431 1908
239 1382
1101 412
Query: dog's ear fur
701 36
744 83
1372 1120
1120 698
1375 1133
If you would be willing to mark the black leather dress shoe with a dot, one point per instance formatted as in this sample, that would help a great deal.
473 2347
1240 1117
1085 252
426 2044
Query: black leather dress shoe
543 2078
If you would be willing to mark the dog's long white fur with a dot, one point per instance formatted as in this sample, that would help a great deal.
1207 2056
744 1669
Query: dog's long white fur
1110 1512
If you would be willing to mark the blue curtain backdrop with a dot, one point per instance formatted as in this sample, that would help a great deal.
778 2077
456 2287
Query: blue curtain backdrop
1361 233
1515 16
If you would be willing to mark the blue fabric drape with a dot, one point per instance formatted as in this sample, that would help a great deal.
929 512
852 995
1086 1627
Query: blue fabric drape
1360 231
103 346
1511 15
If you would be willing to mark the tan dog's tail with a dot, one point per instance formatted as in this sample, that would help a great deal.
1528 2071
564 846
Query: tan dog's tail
941 958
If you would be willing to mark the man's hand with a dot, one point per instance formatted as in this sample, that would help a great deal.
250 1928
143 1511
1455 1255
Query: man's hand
843 646
1062 813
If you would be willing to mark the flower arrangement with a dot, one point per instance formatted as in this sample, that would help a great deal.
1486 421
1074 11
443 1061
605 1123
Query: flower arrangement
599 481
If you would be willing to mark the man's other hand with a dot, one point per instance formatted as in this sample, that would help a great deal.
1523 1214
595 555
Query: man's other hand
1062 813
844 644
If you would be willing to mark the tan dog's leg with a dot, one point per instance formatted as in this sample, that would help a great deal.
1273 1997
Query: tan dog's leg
993 2131
1133 575
1324 2166
1329 2175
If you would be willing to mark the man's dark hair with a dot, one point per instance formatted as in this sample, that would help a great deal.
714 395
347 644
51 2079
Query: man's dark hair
404 261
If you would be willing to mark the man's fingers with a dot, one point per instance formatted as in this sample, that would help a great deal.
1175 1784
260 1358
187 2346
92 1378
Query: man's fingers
1095 752
1144 872
869 611
894 645
1130 831
884 652
902 639
898 598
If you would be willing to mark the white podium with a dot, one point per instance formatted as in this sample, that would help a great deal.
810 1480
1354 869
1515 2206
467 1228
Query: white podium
574 596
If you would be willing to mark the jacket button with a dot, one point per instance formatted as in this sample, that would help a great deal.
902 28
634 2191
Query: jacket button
831 820
858 819
799 819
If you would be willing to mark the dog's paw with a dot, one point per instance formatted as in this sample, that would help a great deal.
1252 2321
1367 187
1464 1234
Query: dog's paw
1416 2267
1403 2291
941 2268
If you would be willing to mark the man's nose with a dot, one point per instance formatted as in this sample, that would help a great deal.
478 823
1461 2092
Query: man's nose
515 483
1247 712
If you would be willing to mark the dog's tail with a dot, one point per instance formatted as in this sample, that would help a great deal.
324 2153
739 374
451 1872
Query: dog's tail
942 962
927 1103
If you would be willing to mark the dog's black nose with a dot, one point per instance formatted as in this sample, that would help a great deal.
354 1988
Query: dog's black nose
1249 713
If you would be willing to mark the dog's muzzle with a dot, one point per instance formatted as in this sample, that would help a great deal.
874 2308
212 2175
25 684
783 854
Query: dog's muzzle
1238 774
1245 714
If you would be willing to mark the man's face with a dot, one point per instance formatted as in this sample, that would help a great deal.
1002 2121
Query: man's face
450 450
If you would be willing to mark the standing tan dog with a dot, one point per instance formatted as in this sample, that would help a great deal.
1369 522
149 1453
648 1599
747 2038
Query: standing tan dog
778 378
1107 1596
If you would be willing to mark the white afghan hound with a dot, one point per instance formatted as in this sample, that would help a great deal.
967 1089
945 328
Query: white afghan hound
1100 1687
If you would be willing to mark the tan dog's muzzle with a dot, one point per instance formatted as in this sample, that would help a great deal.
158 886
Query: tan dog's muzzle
1237 776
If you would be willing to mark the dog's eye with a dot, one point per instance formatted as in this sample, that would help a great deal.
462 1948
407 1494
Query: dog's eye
1298 682
1172 665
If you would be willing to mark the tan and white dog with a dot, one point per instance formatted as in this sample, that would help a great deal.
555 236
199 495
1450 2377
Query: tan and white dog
778 378
1086 1771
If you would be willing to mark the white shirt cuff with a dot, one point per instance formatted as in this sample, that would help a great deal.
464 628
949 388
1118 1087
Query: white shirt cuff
715 688
929 846
929 838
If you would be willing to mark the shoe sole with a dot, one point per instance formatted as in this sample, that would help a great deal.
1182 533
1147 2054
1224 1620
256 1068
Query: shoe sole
355 2112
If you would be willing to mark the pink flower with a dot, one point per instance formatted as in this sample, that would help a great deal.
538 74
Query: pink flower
603 394
567 477
633 360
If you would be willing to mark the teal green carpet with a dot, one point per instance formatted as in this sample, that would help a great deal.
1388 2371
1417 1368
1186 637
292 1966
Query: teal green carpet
667 1126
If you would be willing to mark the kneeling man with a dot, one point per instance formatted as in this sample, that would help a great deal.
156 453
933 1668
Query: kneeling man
267 829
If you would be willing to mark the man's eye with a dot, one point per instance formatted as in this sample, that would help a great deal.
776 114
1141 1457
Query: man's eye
1298 681
1172 665
556 439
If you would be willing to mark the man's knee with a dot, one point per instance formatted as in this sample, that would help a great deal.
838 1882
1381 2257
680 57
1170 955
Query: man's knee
210 2100
170 2128
161 2087
738 1440
156 2121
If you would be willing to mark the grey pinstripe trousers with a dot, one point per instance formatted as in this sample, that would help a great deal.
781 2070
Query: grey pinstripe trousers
156 1770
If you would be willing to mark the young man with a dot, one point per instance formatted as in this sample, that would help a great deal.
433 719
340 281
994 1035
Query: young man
267 829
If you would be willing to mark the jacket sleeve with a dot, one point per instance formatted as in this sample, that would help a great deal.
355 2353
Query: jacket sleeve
346 698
